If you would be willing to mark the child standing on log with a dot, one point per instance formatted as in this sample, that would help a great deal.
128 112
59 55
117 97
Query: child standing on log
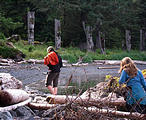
133 77
54 62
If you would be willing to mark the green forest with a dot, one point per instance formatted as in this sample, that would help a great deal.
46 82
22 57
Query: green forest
106 27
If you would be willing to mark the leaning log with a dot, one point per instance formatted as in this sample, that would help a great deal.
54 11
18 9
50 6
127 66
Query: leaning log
114 113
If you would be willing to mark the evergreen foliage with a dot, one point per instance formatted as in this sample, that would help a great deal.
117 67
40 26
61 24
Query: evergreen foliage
113 17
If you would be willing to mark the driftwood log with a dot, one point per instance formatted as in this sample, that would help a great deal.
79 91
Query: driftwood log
12 96
12 107
41 106
63 99
109 67
40 103
116 62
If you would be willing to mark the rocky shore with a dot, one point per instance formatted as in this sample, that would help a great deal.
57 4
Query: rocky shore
32 75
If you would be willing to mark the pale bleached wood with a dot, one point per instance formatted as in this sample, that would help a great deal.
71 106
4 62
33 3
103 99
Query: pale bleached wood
140 62
128 40
62 99
41 106
109 67
57 34
117 62
18 95
4 64
34 61
89 38
31 24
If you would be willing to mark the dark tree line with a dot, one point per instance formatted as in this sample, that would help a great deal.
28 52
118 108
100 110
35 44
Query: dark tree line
91 24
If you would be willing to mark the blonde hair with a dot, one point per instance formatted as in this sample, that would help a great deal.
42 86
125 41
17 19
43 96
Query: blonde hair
128 65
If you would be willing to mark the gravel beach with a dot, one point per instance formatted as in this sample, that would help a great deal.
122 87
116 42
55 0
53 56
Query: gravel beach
33 73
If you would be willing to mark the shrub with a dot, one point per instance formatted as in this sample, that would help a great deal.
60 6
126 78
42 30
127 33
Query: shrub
2 36
6 52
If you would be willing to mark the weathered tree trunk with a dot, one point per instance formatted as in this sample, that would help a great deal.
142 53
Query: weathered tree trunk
12 96
31 23
128 40
142 39
62 99
103 42
89 38
123 45
99 42
53 100
57 34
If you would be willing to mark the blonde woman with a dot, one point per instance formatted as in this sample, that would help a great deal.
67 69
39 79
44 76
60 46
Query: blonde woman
133 77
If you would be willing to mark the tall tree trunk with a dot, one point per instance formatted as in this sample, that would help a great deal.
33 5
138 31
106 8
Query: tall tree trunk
89 38
123 44
31 23
103 42
128 40
57 34
142 39
99 42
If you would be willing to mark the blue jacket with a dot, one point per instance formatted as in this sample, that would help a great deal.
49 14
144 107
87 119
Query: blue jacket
138 86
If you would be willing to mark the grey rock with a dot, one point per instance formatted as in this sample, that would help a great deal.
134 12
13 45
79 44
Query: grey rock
23 111
5 116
